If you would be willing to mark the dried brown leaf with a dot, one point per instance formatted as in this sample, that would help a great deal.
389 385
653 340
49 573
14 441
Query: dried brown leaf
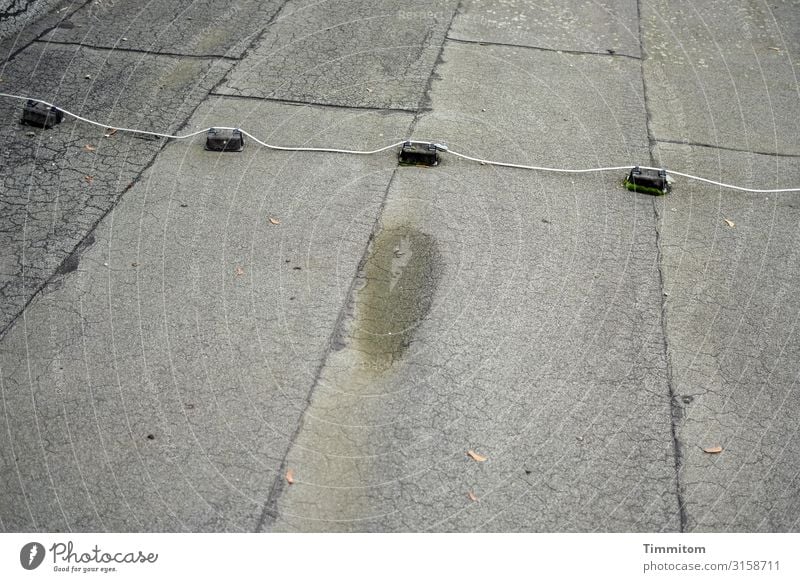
730 223
471 496
476 457
239 271
274 220
290 477
89 148
89 179
712 450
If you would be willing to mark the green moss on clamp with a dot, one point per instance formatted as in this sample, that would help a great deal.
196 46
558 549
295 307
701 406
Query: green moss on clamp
642 189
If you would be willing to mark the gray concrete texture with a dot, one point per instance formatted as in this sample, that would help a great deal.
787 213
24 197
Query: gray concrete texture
15 15
186 27
286 341
59 182
364 53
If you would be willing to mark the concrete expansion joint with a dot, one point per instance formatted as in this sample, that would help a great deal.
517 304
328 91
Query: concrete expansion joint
607 53
772 154
676 410
317 104
122 49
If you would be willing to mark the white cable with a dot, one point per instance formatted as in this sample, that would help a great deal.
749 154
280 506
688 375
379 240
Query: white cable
541 168
200 131
400 143
724 185
617 168
103 125
331 150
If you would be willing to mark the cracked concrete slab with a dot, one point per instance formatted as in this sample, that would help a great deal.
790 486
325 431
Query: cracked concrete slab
193 27
357 54
597 27
57 183
586 108
568 398
730 264
15 15
724 81
35 28
156 386
108 86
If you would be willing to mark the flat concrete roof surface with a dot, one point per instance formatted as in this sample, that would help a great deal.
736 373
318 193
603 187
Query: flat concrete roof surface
205 341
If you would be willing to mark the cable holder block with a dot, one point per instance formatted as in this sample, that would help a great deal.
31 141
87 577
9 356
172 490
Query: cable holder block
420 154
224 140
40 115
655 182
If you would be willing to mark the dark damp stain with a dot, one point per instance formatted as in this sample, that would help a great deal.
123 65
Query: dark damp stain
70 264
400 277
72 261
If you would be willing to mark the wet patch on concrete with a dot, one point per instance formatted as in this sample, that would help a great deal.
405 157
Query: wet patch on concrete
70 264
394 295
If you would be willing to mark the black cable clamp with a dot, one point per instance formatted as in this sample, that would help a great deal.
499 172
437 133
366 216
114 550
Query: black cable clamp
224 140
41 115
655 182
420 154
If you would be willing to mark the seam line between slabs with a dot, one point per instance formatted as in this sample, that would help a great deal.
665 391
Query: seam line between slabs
674 410
726 148
133 50
542 48
313 103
